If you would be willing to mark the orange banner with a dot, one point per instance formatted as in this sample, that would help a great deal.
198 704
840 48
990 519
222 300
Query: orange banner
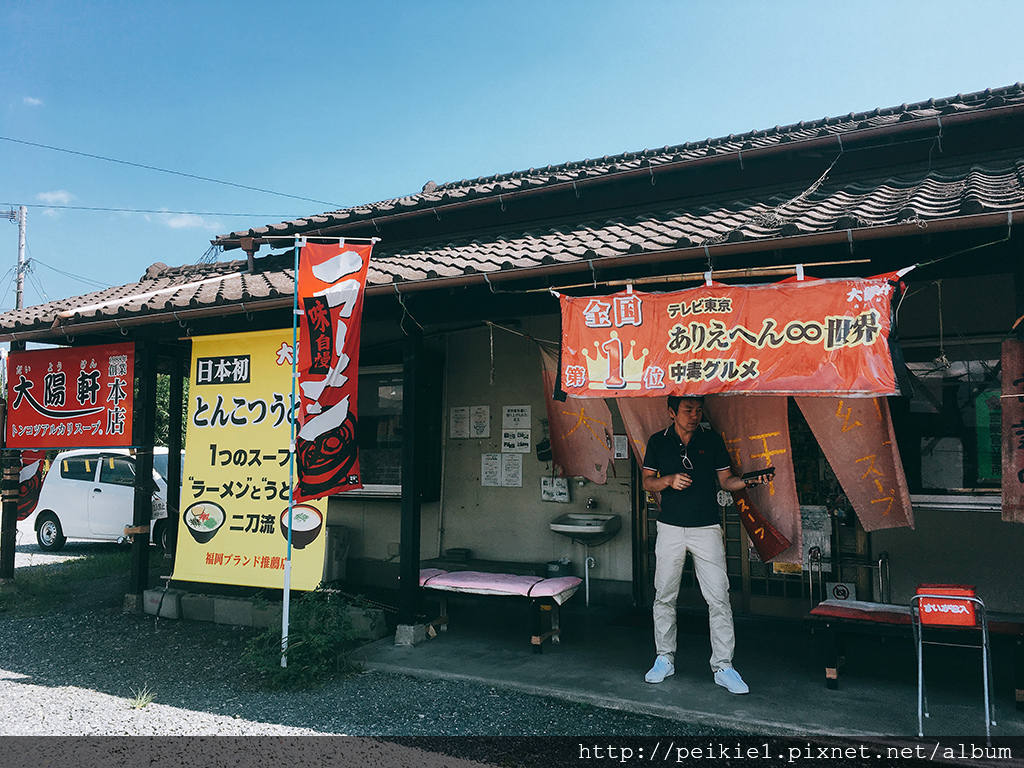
858 439
794 337
581 430
756 434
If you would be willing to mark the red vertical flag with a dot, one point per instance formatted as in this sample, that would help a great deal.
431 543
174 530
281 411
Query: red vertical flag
331 284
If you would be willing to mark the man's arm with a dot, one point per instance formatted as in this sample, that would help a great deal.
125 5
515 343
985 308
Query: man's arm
730 481
656 484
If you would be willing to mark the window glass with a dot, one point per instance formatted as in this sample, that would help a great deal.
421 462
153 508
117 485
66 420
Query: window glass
380 426
955 428
117 470
78 468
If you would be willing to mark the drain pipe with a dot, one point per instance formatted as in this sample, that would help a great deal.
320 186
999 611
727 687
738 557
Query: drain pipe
588 563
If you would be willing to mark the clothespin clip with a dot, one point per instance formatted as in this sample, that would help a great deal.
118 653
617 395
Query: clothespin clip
799 272
707 278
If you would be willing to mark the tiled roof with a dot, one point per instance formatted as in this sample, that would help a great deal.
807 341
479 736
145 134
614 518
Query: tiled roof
829 131
899 198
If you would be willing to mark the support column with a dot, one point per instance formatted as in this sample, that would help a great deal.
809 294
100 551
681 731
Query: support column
10 467
175 409
411 628
143 433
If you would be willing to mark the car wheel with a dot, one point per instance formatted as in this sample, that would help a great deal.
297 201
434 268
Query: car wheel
49 534
162 536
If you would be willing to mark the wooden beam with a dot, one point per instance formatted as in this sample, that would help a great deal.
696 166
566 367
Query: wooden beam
409 593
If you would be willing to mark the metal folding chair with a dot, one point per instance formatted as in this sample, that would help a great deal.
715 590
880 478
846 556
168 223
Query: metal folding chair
933 606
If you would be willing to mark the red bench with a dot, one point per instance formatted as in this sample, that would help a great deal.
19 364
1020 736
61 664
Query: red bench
838 618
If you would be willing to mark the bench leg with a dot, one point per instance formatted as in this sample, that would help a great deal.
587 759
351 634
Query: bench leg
1018 672
442 620
831 649
538 609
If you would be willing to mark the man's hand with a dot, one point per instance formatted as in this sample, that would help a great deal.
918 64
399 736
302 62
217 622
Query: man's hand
679 481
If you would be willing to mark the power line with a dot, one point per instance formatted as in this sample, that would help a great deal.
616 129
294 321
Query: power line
164 170
85 280
148 210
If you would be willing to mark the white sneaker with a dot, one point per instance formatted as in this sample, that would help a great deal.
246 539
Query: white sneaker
662 668
730 679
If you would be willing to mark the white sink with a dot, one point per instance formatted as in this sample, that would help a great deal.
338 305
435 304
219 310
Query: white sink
587 528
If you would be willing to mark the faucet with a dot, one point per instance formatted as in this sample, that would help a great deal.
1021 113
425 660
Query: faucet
591 503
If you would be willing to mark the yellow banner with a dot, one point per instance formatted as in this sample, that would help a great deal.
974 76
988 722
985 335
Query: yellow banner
233 526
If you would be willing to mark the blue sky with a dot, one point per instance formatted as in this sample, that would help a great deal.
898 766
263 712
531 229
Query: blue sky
347 103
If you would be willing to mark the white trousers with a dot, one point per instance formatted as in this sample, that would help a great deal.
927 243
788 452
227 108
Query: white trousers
707 549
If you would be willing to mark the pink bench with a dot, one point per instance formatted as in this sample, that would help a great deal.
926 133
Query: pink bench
545 595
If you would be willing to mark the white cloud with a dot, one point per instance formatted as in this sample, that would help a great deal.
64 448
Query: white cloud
188 221
57 197
31 101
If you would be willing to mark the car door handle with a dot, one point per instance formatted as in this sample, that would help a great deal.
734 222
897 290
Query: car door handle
97 490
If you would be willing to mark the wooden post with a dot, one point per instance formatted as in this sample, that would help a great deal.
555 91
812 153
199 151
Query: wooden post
409 546
10 462
175 408
10 467
144 430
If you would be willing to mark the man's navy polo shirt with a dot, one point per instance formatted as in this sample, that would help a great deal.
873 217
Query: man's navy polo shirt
697 505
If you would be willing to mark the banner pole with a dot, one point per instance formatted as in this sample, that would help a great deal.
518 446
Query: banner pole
286 597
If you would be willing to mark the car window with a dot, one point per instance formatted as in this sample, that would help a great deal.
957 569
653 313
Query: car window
117 470
79 468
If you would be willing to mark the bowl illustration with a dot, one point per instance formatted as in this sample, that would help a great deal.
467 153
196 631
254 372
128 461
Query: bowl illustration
306 524
203 519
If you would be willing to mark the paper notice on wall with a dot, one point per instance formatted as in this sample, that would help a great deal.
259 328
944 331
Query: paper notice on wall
515 441
621 447
517 417
459 422
554 489
512 470
490 470
480 421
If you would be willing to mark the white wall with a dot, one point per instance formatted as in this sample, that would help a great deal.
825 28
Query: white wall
957 547
512 523
495 523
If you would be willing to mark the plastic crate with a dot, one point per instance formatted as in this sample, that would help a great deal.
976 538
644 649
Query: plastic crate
945 609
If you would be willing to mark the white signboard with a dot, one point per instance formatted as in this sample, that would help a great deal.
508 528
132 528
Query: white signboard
515 441
554 489
621 447
480 421
517 417
490 469
512 470
460 422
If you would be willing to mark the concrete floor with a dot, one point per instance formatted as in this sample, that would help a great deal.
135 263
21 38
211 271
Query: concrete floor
604 654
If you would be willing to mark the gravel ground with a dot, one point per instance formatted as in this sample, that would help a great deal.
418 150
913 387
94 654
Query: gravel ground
76 671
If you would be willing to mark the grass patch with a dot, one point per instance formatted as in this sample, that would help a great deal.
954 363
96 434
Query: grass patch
141 698
41 588
320 642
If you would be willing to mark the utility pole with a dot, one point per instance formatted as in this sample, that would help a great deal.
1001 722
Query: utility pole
21 216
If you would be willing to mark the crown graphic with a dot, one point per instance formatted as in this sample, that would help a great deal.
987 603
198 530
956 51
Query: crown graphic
614 371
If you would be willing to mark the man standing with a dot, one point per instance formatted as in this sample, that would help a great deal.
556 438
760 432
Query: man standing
686 464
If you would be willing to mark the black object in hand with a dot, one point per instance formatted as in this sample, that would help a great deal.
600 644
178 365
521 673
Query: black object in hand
767 471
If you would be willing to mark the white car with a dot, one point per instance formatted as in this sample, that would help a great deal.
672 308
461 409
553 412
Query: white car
90 494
